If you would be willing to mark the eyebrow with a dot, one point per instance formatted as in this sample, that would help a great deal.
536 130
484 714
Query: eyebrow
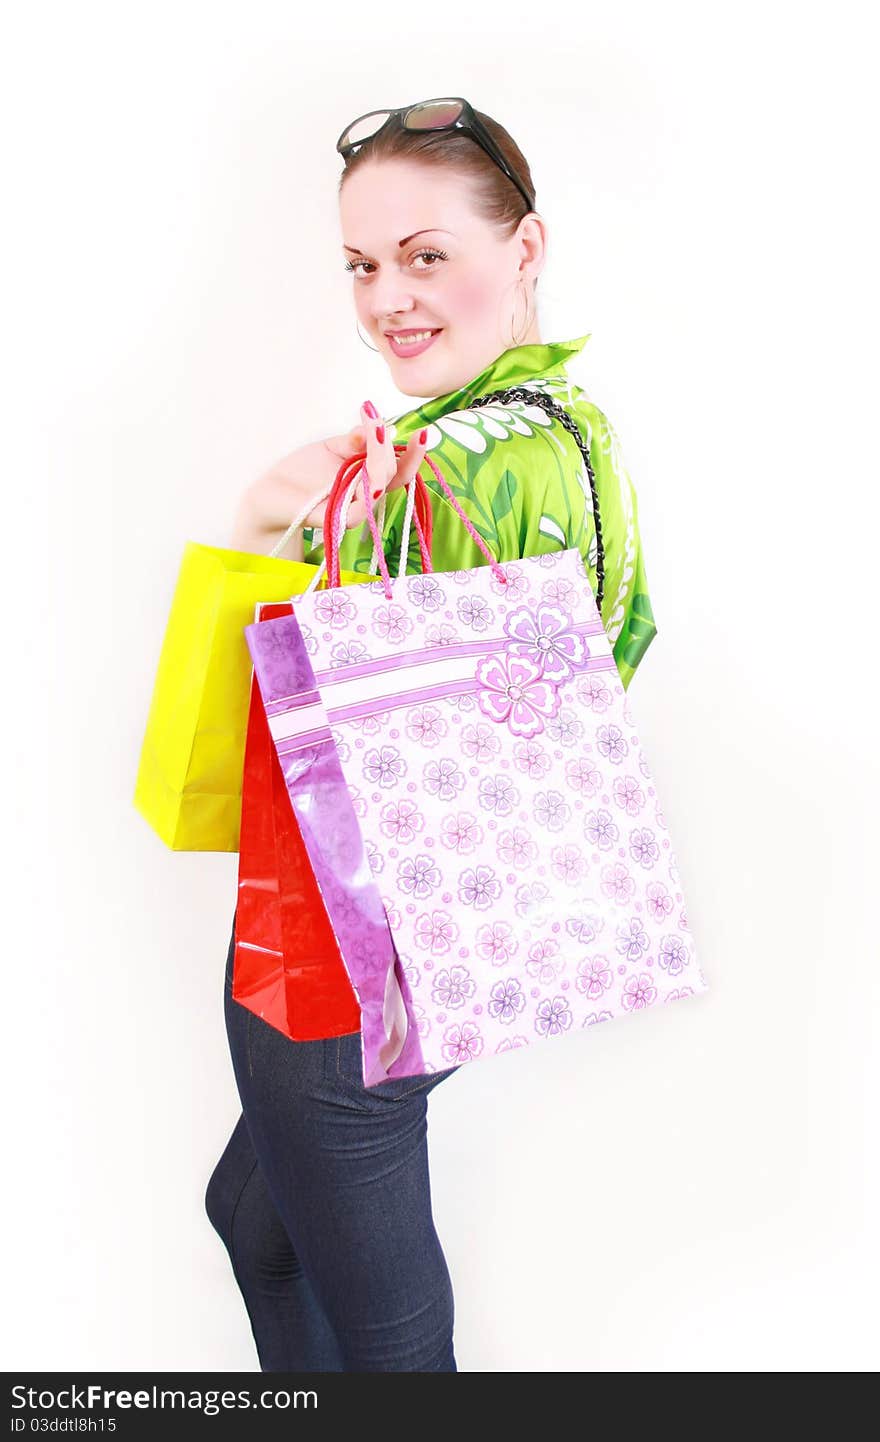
354 250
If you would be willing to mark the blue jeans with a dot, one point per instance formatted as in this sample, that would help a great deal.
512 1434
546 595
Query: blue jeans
322 1200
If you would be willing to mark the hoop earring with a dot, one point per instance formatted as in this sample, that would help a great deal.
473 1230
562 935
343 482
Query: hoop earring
365 342
515 339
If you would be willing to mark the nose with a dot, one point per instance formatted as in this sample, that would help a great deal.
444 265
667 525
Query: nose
389 298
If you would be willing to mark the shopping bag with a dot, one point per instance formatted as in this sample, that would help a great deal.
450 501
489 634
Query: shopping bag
323 807
286 967
189 775
506 806
188 784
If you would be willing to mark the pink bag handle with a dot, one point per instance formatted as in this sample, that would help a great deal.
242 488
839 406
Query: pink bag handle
334 517
469 526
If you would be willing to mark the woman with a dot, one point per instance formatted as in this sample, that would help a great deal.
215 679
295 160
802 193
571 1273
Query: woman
322 1195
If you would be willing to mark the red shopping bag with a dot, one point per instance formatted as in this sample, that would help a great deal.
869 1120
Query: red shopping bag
287 966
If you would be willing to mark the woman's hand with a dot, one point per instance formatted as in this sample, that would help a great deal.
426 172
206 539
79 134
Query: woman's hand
387 469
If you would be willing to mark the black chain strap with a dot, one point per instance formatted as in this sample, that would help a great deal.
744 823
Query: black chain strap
553 408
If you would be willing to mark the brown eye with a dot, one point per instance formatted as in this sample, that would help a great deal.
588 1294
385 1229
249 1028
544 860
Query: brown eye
434 254
354 267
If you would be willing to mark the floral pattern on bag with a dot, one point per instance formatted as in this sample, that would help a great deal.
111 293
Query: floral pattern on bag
507 808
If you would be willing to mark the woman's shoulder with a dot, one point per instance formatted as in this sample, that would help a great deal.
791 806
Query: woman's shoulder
519 436
501 460
518 470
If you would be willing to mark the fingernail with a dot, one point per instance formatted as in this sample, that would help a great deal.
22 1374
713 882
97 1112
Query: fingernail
371 410
380 434
376 495
423 436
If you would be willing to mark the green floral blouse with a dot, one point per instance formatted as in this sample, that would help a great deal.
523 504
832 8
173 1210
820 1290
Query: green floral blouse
519 477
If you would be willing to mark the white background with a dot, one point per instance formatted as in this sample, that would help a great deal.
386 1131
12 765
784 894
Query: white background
694 1189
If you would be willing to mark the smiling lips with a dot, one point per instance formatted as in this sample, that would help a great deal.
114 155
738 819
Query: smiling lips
412 342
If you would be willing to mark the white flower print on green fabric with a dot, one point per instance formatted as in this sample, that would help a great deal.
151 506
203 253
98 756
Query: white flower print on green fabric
520 478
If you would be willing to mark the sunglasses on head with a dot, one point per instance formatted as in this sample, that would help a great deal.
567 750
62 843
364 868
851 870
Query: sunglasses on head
443 113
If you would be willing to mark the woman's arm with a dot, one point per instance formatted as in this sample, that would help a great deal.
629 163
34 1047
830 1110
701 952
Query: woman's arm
259 521
268 506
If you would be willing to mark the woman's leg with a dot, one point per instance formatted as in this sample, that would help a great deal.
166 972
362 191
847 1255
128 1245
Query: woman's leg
289 1328
346 1169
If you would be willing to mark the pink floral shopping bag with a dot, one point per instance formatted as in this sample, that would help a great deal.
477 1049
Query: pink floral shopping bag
475 724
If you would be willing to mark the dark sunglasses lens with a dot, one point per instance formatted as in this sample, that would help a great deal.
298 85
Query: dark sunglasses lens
434 115
362 129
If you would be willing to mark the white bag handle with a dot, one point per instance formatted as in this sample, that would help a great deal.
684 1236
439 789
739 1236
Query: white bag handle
295 525
298 520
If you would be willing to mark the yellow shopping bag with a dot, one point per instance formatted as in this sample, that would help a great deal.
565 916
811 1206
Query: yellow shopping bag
189 777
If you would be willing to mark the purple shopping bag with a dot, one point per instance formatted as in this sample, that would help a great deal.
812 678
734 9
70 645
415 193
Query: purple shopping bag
469 736
329 828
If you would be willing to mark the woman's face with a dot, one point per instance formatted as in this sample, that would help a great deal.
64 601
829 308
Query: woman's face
425 261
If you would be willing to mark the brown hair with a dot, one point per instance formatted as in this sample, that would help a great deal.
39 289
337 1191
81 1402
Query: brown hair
496 198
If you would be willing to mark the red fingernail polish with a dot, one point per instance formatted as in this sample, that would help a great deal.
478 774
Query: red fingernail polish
380 434
371 410
423 436
376 495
